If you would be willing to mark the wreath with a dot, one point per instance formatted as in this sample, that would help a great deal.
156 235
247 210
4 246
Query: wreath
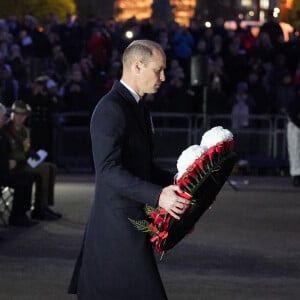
202 171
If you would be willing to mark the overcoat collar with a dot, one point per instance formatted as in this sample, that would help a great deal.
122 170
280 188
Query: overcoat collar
133 105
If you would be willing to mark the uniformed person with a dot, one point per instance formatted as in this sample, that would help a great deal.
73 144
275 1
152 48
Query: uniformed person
21 182
44 174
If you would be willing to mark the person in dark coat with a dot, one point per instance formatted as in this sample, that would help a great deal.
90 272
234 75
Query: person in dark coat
43 106
116 260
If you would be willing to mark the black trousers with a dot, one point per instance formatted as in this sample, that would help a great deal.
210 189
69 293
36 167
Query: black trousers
44 177
22 183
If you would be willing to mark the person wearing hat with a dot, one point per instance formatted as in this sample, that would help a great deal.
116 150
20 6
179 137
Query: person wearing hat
44 173
21 182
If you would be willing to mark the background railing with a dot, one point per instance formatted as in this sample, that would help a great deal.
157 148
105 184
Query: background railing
262 144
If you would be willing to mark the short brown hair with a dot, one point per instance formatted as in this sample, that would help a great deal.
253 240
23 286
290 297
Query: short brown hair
140 49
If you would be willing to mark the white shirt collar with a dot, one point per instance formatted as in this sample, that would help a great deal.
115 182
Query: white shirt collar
133 93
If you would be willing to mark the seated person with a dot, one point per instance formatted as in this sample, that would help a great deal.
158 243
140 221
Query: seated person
44 174
20 182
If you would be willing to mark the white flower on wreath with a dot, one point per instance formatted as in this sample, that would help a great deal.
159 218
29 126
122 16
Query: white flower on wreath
187 157
210 138
214 136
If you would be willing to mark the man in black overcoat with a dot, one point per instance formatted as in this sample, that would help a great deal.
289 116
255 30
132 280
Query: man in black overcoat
116 260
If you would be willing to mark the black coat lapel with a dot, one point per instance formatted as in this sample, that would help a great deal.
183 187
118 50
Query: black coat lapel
135 109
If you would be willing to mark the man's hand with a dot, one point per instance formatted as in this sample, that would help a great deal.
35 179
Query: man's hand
172 202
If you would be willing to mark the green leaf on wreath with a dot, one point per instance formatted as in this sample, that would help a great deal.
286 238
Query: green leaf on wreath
141 225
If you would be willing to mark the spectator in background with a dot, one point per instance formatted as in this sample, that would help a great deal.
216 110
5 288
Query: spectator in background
111 77
21 182
244 34
201 47
178 95
71 38
284 92
262 48
183 43
175 99
243 92
208 37
8 85
164 40
87 67
41 42
274 68
216 98
44 174
6 37
90 74
242 103
116 59
13 25
59 63
216 69
217 46
218 28
43 106
235 64
98 47
76 92
274 30
19 68
26 42
258 92
114 71
293 136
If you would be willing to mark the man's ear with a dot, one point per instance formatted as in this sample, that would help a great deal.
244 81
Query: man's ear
137 67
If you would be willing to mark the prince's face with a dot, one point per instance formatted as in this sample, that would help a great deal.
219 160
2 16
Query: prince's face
152 73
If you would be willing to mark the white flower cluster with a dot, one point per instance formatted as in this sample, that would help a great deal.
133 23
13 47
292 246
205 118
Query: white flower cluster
187 157
210 138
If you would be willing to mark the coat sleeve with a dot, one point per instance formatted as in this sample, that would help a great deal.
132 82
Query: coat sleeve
108 128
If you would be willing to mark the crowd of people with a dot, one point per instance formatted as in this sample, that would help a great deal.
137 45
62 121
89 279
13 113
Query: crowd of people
67 66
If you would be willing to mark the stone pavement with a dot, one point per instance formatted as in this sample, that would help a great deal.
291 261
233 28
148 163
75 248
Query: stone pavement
247 246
